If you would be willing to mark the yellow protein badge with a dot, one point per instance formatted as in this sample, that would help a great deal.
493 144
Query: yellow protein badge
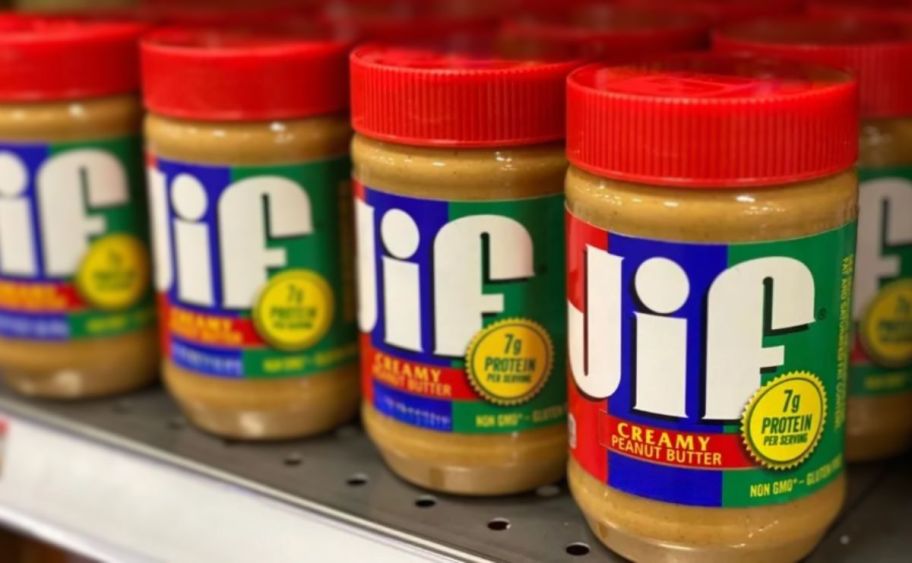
886 329
115 272
294 310
783 421
510 361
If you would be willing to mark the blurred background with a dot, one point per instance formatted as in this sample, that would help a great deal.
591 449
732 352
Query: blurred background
523 28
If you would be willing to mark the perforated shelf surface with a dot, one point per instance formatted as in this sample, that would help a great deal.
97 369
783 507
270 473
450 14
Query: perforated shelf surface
340 477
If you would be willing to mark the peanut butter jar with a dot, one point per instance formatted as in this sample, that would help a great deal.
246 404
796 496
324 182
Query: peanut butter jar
599 31
889 11
878 53
441 22
711 207
458 167
76 305
724 11
247 155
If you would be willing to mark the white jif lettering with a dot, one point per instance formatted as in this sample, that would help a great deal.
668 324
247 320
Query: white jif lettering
735 354
467 253
68 187
460 303
736 308
884 219
17 246
250 213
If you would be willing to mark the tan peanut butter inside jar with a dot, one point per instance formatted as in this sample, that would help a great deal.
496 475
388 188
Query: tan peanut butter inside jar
710 255
76 308
251 211
459 215
878 53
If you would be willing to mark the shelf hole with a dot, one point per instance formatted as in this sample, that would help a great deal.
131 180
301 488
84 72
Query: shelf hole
578 549
293 459
357 480
425 501
122 407
347 432
548 491
499 524
177 423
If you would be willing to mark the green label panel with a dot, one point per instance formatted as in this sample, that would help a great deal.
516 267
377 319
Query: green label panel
711 375
882 353
73 241
462 311
261 284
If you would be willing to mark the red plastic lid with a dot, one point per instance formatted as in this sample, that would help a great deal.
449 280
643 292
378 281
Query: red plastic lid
229 75
879 54
432 98
544 7
413 21
199 13
712 121
208 15
604 31
46 59
123 14
725 10
884 10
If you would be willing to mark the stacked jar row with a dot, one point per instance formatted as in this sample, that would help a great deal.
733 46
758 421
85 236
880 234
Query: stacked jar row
704 317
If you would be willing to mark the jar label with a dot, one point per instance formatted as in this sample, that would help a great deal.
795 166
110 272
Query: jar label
709 374
461 331
74 261
254 267
882 351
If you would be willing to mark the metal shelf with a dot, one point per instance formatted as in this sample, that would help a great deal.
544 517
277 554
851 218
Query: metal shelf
128 480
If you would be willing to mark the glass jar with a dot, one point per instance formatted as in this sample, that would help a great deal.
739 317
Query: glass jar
880 385
889 11
76 309
600 32
251 217
708 304
725 11
458 166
